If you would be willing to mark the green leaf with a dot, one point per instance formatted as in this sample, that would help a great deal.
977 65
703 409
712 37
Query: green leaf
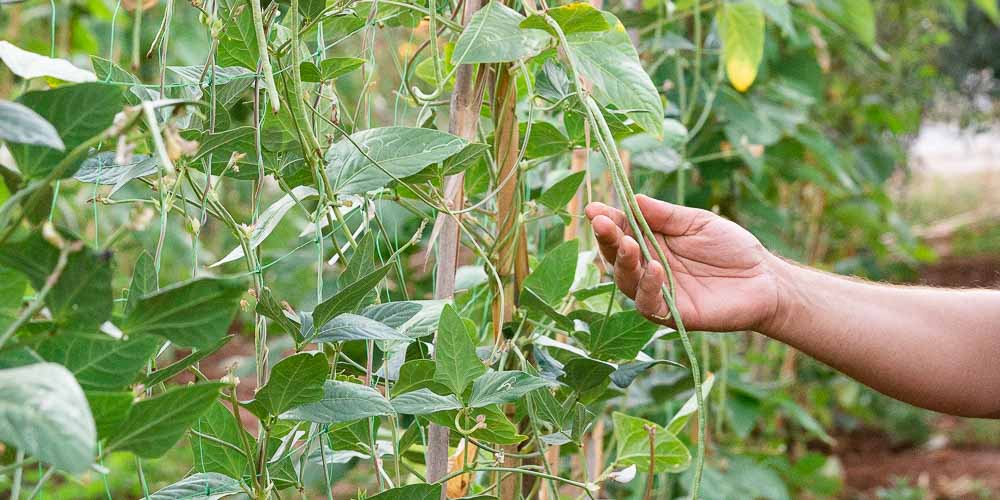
585 375
494 35
269 220
20 125
577 17
210 456
155 425
780 13
97 361
28 65
562 192
194 313
268 307
342 402
741 30
465 158
82 297
200 486
165 373
498 430
238 40
424 401
609 61
294 381
78 112
990 8
620 336
361 262
103 168
545 140
220 146
411 492
399 151
858 16
12 286
109 409
44 412
633 447
347 299
329 69
417 374
503 387
553 277
455 360
626 373
393 314
143 280
353 327
680 419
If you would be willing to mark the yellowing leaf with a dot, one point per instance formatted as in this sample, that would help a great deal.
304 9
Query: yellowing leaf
741 28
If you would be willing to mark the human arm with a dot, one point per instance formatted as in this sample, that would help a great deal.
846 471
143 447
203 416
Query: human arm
934 348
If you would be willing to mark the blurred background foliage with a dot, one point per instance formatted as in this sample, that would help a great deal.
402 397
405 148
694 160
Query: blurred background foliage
813 158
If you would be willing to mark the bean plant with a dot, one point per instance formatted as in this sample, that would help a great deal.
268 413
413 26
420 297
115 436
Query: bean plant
376 208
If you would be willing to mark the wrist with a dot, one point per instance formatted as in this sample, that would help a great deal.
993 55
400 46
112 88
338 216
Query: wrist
786 297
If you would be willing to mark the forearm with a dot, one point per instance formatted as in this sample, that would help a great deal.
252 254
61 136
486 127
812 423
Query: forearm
934 348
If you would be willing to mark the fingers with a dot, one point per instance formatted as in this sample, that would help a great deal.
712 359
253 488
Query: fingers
670 219
628 269
597 208
608 235
648 294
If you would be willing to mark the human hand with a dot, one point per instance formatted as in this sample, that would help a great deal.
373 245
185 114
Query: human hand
726 280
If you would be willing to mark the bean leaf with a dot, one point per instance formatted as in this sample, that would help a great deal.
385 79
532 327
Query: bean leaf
353 327
424 401
503 387
295 381
456 363
44 412
342 402
397 152
621 336
349 298
553 277
632 440
194 313
97 361
609 61
20 125
494 35
200 486
741 30
154 425
211 456
81 297
78 112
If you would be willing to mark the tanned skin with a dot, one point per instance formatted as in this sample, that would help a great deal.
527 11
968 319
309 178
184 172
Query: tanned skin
934 348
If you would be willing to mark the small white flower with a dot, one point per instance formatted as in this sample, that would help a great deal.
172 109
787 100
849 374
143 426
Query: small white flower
623 475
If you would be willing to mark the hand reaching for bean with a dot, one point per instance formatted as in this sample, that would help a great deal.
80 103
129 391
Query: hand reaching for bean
725 278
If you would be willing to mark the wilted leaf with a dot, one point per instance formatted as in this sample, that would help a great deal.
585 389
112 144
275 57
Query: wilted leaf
741 29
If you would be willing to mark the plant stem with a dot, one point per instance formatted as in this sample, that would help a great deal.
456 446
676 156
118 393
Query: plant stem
265 59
